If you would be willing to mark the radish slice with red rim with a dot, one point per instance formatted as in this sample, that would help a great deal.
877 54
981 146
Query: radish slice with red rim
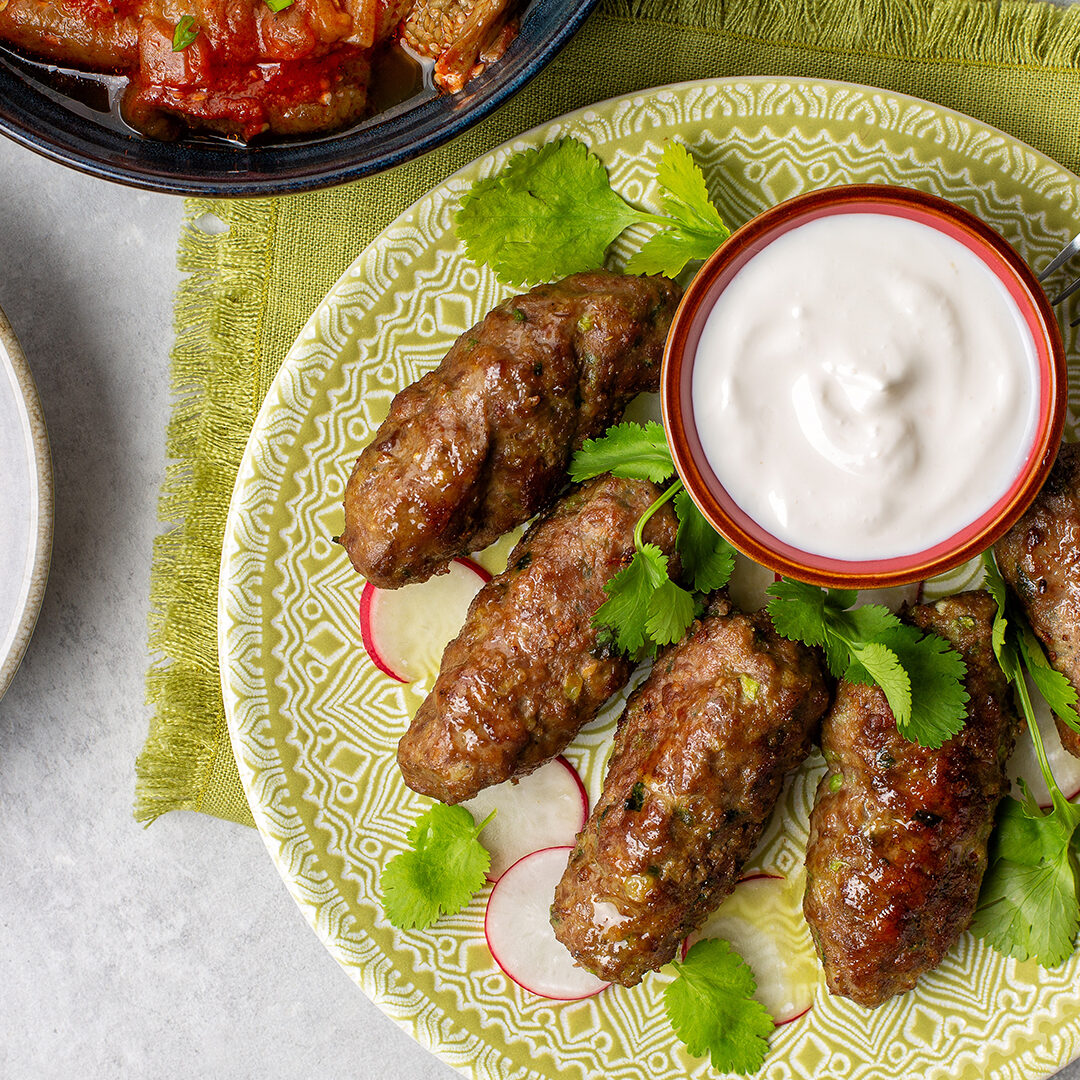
517 926
1024 765
547 808
894 598
763 921
405 631
749 581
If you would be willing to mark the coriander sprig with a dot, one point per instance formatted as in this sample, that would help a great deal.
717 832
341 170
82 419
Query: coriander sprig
445 866
645 608
694 229
551 211
1029 905
921 675
711 1007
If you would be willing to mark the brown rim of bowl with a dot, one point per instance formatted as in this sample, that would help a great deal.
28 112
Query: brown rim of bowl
705 488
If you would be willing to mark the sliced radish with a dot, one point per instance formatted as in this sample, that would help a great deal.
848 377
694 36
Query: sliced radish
748 583
406 630
643 408
518 930
893 598
763 921
1024 765
547 808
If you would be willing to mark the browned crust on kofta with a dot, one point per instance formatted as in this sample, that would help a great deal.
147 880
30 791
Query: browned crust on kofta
898 833
528 668
1040 560
482 443
700 758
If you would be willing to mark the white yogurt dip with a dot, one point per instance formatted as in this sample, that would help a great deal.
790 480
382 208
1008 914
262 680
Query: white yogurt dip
865 387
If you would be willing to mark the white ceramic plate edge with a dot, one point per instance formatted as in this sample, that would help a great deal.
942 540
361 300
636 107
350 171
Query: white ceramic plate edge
13 365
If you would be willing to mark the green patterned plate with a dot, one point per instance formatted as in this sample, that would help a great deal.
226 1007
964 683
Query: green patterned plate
315 725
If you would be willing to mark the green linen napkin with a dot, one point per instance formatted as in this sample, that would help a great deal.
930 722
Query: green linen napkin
1014 64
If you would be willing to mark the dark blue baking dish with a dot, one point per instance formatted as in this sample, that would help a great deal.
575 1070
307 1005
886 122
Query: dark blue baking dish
67 131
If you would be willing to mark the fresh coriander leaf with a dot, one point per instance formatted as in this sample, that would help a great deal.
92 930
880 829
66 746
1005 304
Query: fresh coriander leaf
938 697
1028 906
629 450
1025 835
866 623
668 251
797 611
921 676
439 875
550 212
838 655
1027 800
1002 641
707 558
1017 836
1067 815
1028 911
1058 691
626 609
278 5
845 628
185 33
842 599
873 662
670 612
685 193
711 1008
992 580
696 229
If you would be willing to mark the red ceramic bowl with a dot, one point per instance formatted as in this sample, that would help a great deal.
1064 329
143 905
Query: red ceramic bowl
748 535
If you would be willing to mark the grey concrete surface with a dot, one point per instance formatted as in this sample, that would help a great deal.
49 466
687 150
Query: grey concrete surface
125 952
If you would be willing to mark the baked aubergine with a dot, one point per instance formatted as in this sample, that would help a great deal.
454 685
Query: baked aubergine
899 832
700 757
482 443
1040 560
529 669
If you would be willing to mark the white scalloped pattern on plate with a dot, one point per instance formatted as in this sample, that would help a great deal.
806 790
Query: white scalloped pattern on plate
315 725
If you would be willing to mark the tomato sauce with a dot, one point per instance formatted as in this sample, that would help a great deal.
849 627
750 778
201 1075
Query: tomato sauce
244 69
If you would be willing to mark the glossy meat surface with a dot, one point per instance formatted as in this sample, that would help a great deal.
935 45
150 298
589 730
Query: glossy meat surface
1040 559
248 70
250 97
482 443
92 34
699 761
898 833
528 668
251 70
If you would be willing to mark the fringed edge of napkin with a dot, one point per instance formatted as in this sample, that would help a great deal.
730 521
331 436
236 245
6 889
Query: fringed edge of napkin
215 374
1012 33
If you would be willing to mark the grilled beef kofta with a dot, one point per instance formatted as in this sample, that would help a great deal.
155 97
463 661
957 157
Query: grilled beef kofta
700 757
482 443
898 833
529 668
1040 559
